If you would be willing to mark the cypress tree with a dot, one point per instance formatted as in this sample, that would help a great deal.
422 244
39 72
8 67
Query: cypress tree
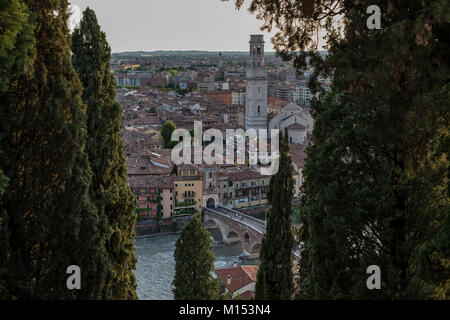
194 264
377 171
15 57
374 180
275 270
50 220
260 290
109 190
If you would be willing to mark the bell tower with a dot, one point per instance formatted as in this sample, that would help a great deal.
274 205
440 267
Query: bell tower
256 83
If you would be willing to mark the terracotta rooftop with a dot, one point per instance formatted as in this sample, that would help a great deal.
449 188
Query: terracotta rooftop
247 295
161 182
298 155
237 276
251 271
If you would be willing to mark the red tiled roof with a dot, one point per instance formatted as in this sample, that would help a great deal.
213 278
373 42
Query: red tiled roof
247 295
239 278
162 182
251 271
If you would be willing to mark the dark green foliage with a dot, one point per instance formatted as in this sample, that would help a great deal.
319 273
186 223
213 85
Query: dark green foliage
194 264
377 171
15 45
166 132
15 34
374 181
224 294
109 190
260 290
49 220
276 269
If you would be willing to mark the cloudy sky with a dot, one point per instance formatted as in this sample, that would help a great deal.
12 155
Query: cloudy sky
149 25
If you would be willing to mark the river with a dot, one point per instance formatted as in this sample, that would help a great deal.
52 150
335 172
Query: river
156 267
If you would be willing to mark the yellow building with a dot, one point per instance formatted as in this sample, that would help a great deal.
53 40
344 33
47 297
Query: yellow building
188 187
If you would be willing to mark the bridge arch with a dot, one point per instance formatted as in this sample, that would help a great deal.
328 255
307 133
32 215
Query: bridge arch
210 223
246 237
211 203
232 234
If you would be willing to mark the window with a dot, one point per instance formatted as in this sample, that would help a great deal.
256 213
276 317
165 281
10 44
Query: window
259 109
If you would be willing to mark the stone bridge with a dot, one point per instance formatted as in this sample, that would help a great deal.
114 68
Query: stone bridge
236 226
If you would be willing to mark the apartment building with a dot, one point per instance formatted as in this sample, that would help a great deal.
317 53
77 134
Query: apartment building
154 195
242 187
188 188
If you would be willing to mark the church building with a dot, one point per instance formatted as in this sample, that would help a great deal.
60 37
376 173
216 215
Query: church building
297 120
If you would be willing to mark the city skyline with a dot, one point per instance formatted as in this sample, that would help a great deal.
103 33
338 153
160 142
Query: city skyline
175 25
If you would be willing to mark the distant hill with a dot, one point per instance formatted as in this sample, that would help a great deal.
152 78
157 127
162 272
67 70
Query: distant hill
180 53
191 53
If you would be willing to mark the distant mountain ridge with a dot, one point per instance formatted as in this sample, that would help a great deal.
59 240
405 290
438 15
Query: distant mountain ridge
179 53
166 53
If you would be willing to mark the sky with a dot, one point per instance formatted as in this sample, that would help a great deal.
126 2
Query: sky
150 25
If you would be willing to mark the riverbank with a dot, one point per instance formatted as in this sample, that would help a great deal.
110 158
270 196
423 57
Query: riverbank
164 227
155 267
154 235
